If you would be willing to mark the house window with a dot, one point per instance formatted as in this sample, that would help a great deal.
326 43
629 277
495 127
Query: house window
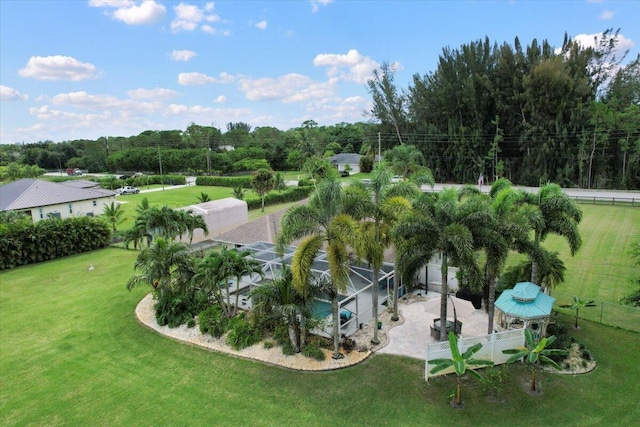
70 208
95 203
41 213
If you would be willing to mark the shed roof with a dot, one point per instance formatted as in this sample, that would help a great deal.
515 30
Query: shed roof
525 301
30 193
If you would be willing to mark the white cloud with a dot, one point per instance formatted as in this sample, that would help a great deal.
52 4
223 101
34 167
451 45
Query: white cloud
221 99
58 67
148 12
350 67
10 94
153 94
315 4
192 79
289 88
188 17
590 40
84 100
110 3
182 55
214 31
607 14
262 25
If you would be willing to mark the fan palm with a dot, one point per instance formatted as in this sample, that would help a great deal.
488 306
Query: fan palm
321 222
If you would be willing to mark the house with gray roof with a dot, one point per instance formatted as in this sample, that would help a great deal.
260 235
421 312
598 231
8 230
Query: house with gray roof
42 199
340 161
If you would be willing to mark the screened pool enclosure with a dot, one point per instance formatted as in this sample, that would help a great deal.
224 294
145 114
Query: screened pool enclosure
355 305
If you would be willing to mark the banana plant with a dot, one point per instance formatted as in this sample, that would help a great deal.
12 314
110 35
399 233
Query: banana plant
535 354
461 363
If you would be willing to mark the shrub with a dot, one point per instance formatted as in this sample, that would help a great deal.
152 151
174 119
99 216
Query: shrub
268 344
23 242
213 321
241 333
292 194
366 164
172 309
224 181
312 351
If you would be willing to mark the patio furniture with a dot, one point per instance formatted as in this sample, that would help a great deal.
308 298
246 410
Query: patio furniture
436 328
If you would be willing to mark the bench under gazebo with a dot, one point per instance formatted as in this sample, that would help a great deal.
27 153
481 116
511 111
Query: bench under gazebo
525 306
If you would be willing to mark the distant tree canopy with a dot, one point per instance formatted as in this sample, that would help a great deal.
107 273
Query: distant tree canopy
530 113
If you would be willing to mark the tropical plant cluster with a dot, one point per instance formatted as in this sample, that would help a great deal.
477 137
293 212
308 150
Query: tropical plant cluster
23 242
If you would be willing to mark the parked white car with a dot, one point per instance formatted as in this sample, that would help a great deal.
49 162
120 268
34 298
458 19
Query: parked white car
127 189
396 178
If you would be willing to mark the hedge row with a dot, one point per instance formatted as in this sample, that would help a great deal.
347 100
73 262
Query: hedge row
22 244
225 181
141 181
291 194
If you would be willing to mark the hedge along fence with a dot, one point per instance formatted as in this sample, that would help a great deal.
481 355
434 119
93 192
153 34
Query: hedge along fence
291 194
22 244
143 180
225 181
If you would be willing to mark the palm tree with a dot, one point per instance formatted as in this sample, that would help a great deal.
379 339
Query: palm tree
577 304
559 215
164 265
440 223
279 301
217 268
461 363
203 197
164 222
377 207
321 222
279 183
510 230
535 353
114 214
191 222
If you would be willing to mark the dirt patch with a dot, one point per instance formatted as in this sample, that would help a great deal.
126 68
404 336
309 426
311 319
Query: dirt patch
578 361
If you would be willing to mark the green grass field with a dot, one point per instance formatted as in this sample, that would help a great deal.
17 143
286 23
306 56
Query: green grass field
72 353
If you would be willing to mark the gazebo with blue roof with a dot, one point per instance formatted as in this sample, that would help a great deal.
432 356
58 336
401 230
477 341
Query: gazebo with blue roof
527 304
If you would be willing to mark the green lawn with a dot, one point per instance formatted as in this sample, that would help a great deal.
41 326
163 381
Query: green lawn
171 197
72 353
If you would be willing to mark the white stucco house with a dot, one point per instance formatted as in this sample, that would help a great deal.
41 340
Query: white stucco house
43 199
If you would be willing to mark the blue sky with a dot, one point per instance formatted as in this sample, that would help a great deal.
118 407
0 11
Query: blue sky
85 69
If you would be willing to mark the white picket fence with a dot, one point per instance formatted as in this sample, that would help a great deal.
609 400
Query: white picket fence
492 346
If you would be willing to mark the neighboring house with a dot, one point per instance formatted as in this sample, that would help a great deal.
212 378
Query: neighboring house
351 159
41 199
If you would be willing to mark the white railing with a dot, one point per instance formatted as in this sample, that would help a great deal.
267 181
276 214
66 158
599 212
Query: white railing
492 346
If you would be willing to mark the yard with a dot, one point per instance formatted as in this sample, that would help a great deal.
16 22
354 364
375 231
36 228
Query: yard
72 353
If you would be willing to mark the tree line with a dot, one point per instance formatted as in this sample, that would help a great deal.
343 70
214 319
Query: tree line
529 113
